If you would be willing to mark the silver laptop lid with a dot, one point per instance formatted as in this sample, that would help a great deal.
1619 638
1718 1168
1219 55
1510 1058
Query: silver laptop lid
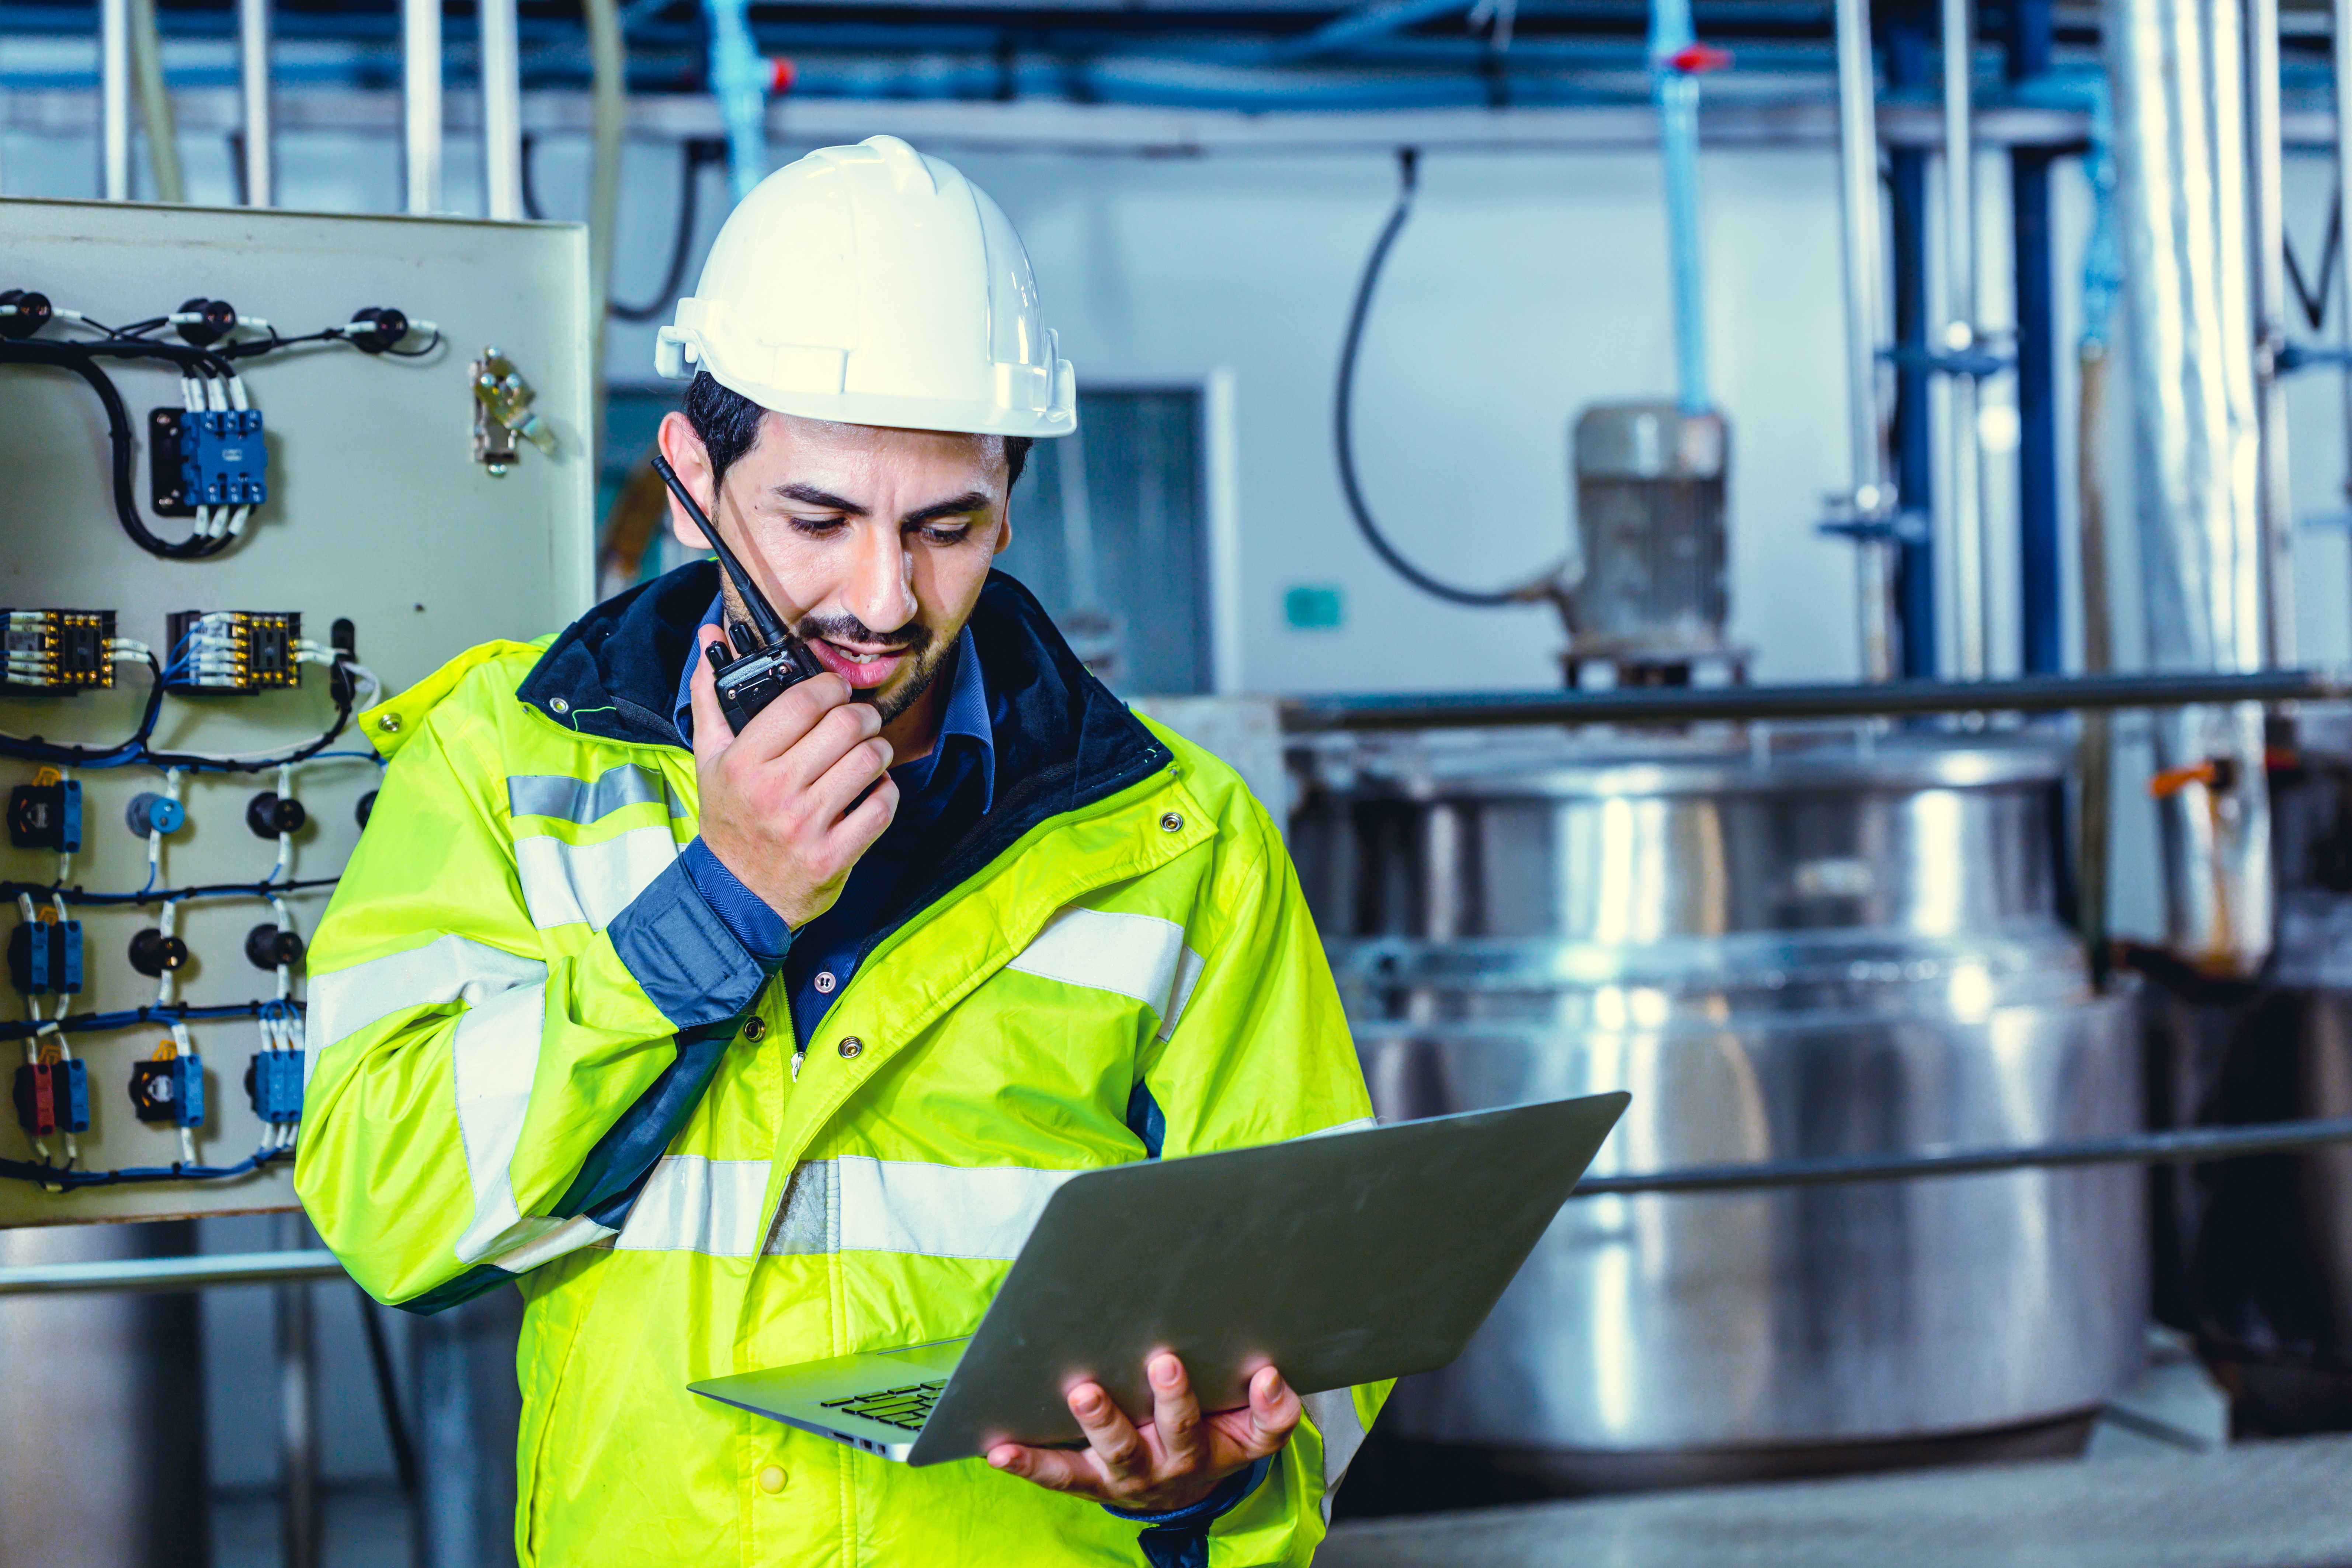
1342 1258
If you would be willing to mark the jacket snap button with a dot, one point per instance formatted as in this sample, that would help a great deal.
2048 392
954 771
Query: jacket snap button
851 1045
557 705
389 723
772 1480
1171 823
755 1029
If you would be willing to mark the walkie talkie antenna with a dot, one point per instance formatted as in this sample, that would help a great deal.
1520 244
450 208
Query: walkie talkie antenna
763 615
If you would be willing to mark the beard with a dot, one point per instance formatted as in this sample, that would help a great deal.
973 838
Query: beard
924 661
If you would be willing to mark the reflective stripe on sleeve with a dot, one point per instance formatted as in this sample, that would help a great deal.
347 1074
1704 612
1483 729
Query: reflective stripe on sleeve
543 1240
1343 1430
1142 956
695 1204
858 1203
588 884
494 1055
342 1002
584 801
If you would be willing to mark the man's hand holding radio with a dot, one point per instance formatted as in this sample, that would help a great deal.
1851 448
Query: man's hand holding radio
780 805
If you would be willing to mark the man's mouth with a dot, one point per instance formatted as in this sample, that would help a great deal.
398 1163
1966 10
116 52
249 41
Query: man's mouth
861 668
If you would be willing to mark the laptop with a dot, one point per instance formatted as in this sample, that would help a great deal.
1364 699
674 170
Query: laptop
1340 1258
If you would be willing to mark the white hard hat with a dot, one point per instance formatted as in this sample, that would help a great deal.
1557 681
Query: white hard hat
874 286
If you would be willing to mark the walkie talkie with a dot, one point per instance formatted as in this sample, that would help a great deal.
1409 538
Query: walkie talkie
769 661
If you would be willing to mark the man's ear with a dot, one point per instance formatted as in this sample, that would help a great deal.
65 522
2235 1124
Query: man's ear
686 453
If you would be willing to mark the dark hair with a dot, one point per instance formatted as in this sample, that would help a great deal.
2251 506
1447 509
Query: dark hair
728 423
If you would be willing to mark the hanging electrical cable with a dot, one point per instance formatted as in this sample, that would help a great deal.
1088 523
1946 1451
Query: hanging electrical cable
696 151
1341 413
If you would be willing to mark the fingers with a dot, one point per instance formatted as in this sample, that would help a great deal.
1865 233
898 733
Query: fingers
1273 1413
711 733
1175 1412
833 794
1118 1447
1057 1470
783 724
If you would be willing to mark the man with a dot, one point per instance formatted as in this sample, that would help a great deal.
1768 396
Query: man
735 1050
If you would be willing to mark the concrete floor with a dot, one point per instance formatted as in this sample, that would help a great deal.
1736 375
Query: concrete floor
2257 1505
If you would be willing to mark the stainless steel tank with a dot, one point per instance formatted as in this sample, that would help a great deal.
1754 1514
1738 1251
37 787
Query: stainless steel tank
102 1454
1803 947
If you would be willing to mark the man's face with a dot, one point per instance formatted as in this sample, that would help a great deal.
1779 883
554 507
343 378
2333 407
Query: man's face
873 544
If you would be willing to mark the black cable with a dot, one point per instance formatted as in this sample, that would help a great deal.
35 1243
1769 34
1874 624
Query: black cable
387 1393
81 359
1407 158
148 1012
530 187
80 895
699 151
70 1180
34 748
2314 301
345 694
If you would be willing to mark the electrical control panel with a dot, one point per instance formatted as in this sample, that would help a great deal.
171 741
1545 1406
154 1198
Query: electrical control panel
273 518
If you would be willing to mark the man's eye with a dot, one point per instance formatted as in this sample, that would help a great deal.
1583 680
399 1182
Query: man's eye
819 526
946 533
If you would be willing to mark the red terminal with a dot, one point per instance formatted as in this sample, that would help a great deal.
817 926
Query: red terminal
781 73
1693 59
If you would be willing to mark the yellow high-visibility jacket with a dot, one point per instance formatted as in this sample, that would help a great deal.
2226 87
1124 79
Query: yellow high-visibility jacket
541 1059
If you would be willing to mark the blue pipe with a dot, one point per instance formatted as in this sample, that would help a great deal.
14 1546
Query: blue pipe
739 80
1907 36
1671 35
2041 620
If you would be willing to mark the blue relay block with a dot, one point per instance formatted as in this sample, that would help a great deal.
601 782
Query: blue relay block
273 1082
170 1089
44 958
223 460
53 1095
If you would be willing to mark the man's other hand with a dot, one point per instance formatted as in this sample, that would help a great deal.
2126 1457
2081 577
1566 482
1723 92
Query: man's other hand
780 802
1172 1463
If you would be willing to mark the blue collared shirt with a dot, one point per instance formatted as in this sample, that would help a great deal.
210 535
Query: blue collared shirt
940 797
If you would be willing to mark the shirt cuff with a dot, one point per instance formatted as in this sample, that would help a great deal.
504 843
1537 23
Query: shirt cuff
759 929
682 955
1227 1496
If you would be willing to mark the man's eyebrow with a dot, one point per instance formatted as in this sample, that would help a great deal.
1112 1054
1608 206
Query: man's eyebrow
968 502
809 495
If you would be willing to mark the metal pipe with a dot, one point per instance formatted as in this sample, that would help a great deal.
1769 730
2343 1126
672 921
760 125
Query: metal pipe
2184 1147
195 1273
155 103
1971 609
114 99
2268 202
253 80
1692 704
2041 621
1677 91
608 122
2343 60
1913 436
420 101
2181 221
298 1417
501 67
1865 317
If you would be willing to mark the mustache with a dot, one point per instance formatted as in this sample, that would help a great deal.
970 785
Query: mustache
912 637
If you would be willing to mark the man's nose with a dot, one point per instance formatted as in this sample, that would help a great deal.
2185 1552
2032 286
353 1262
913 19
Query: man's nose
879 590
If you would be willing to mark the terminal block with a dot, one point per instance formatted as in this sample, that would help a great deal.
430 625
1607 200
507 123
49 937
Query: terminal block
170 1089
53 1097
56 653
273 1082
215 458
241 651
46 815
44 958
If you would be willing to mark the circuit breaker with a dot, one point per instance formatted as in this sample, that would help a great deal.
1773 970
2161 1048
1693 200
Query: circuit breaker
242 504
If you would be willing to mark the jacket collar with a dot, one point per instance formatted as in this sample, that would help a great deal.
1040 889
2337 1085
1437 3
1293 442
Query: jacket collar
1064 742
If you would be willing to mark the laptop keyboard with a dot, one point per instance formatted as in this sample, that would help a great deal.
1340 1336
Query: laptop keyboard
906 1409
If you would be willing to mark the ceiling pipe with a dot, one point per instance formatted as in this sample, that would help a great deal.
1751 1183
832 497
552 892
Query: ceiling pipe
420 101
